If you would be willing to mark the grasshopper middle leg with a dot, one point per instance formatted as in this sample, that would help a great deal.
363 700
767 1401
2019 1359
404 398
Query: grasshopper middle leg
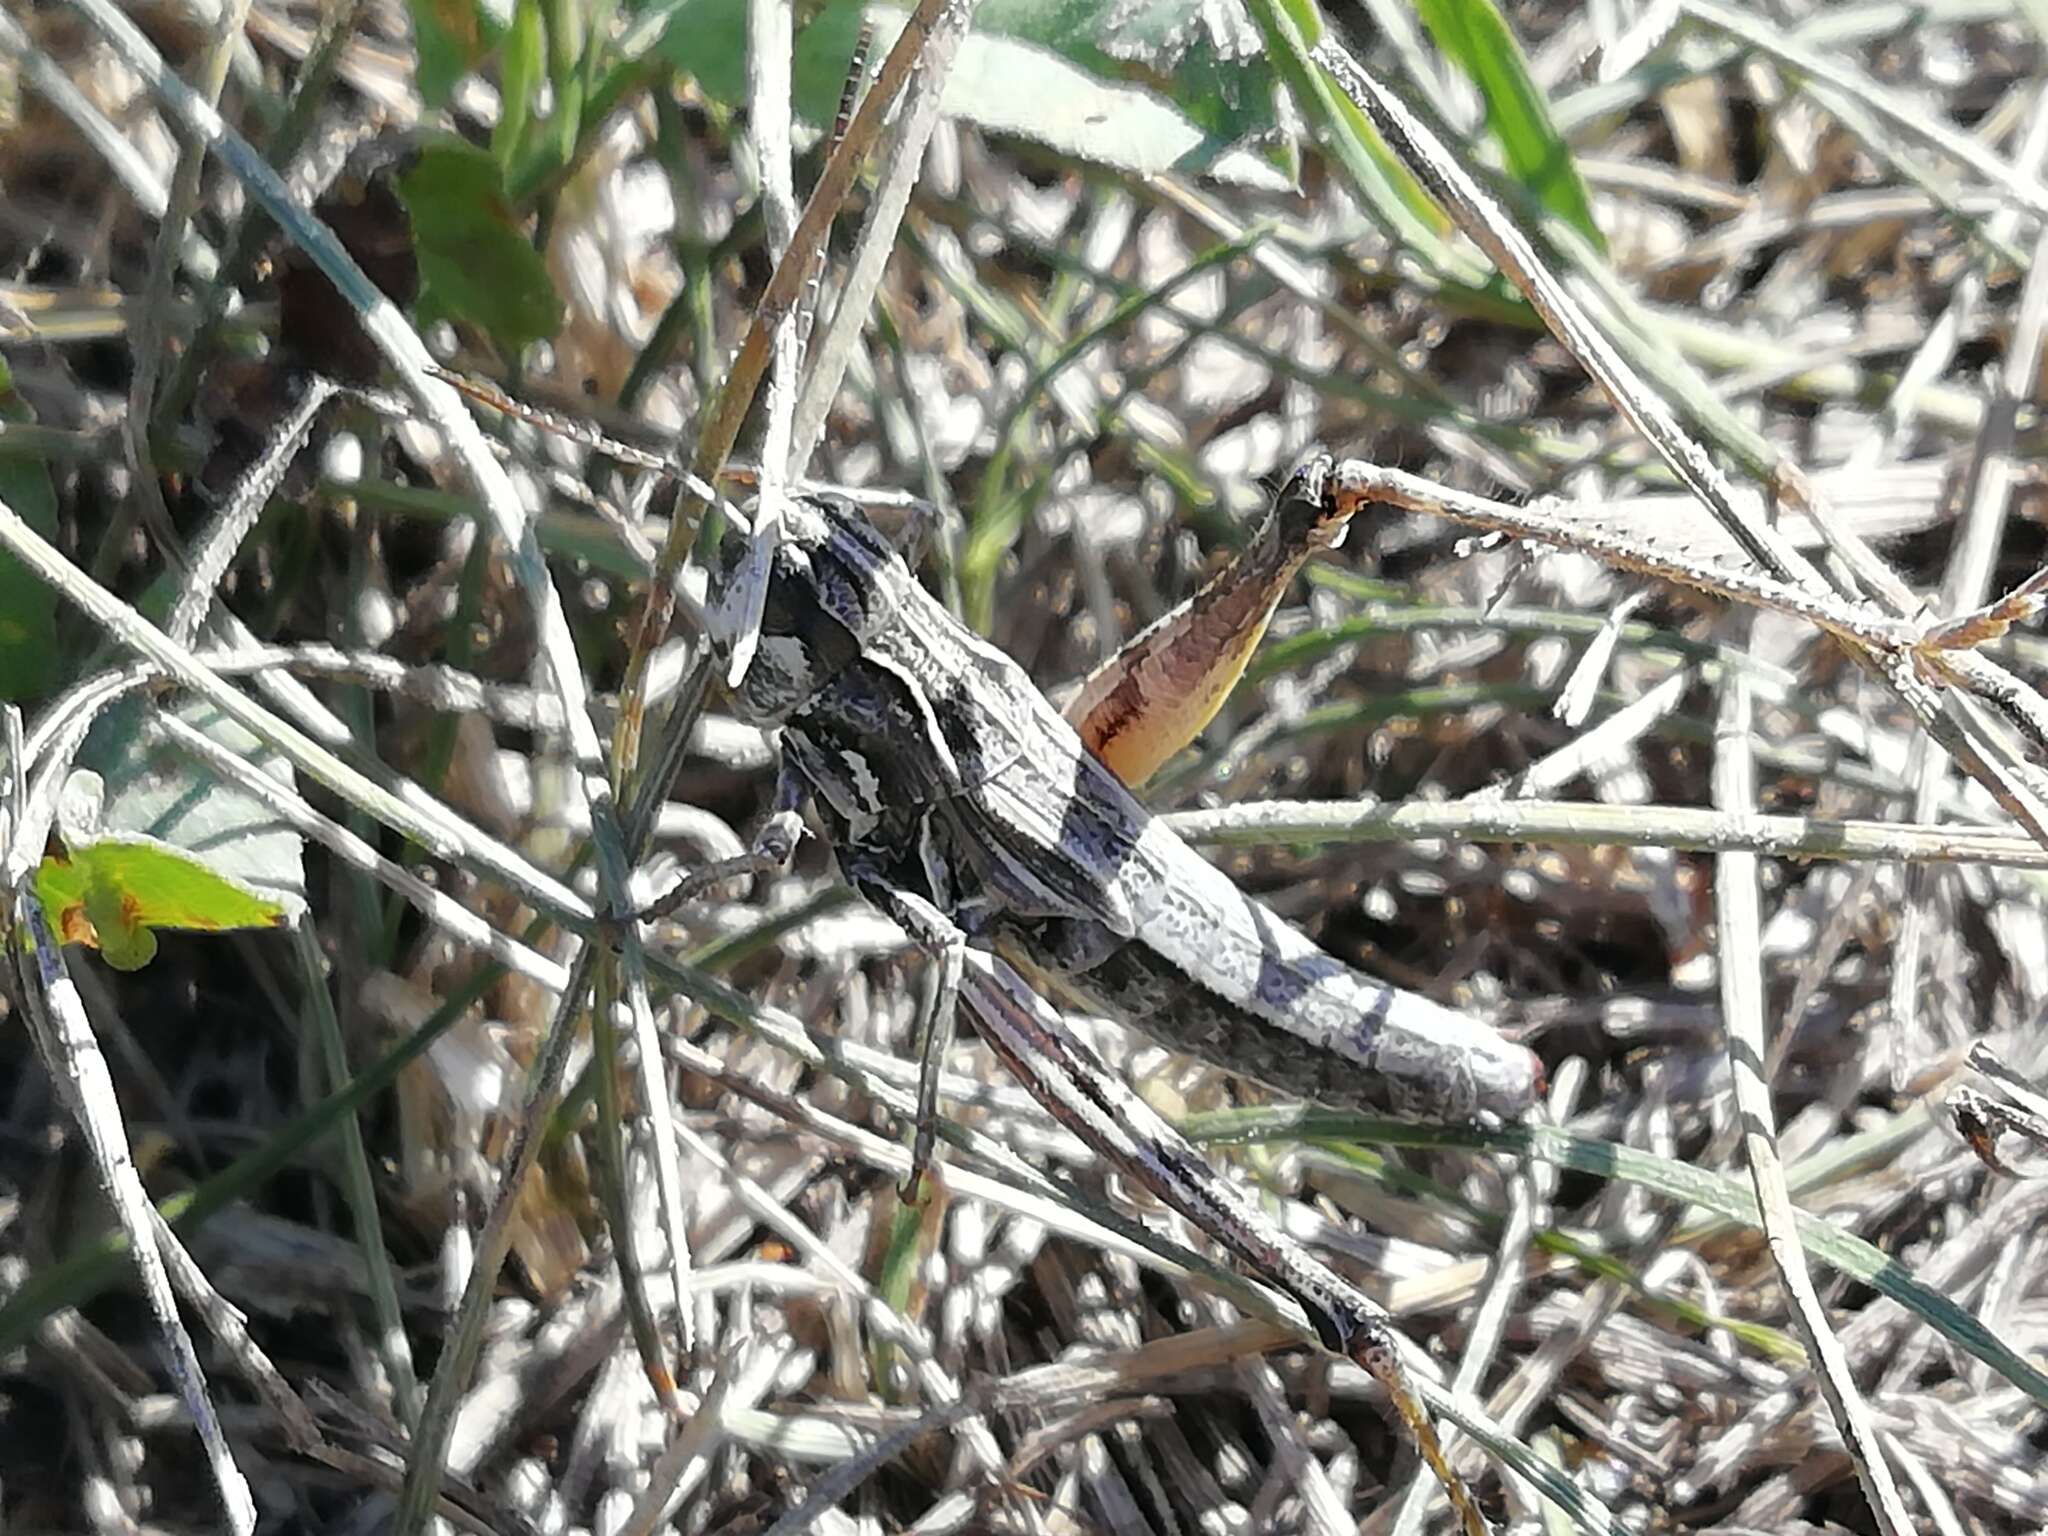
943 939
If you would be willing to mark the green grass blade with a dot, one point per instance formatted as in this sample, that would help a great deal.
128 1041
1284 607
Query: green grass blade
1387 191
1476 37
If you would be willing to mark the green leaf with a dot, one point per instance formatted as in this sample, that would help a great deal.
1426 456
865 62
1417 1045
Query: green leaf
452 36
28 607
111 892
519 80
1477 38
1069 97
1020 88
1169 85
477 266
1205 56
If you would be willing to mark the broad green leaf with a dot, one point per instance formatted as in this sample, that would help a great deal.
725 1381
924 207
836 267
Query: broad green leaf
477 266
28 607
111 892
1205 56
452 36
1008 84
1172 85
1475 36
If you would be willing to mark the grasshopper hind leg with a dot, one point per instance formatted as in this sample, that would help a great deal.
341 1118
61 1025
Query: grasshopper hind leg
1072 944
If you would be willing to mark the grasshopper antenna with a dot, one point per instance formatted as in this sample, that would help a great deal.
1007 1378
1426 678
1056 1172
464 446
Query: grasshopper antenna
849 97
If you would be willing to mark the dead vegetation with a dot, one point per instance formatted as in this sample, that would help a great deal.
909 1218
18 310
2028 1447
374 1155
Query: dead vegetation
1479 769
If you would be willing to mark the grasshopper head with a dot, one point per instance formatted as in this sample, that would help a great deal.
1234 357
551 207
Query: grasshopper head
1308 516
832 582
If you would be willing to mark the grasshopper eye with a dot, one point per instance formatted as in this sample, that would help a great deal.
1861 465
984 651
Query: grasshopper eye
1308 516
802 647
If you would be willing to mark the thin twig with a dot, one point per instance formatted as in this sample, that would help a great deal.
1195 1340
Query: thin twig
1574 823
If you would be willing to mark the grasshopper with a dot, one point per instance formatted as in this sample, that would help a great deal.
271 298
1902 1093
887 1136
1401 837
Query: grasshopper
964 806
959 802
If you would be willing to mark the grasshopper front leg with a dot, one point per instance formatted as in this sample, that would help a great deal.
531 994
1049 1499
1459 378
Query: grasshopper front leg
773 846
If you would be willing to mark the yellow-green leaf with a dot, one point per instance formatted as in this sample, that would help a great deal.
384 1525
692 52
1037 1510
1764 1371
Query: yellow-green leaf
113 894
